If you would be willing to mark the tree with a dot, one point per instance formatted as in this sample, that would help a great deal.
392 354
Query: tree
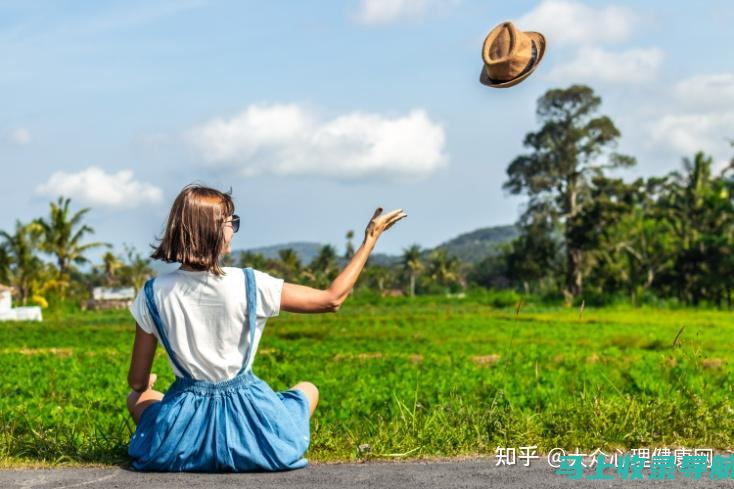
491 271
444 269
24 264
627 237
4 264
349 252
570 148
699 207
135 269
412 263
324 265
111 264
290 263
254 260
63 234
378 277
533 257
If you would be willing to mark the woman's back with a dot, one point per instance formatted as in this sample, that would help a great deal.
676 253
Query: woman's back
218 415
204 318
237 424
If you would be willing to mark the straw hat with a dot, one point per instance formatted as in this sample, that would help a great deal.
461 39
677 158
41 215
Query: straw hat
510 55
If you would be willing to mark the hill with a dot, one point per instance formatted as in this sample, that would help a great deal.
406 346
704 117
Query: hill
475 245
469 247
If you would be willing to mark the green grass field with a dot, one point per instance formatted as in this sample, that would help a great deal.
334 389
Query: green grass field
428 377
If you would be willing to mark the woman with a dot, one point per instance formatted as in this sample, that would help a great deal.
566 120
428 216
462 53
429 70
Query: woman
218 415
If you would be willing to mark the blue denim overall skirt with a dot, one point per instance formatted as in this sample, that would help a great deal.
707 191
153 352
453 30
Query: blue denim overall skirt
237 425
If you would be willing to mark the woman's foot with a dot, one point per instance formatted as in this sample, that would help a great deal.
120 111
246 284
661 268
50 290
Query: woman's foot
151 380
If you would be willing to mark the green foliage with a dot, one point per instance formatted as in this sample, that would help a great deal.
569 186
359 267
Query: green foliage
324 267
422 376
24 269
63 233
566 153
474 246
661 237
412 264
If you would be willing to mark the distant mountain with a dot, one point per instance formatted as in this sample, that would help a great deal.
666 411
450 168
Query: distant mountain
469 247
474 246
308 250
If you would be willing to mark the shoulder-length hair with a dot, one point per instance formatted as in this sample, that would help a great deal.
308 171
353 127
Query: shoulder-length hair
194 234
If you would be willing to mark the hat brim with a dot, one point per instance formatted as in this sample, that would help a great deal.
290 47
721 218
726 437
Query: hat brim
540 42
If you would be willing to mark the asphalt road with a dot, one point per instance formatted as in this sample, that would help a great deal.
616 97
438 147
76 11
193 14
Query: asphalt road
402 475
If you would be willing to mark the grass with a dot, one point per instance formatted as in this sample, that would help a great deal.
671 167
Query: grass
402 378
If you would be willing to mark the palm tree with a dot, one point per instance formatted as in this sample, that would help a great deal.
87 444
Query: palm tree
254 260
326 259
4 264
290 263
111 264
687 203
412 263
24 264
324 265
444 268
63 233
136 269
349 253
377 276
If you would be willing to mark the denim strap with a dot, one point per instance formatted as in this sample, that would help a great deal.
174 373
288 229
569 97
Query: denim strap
251 291
153 309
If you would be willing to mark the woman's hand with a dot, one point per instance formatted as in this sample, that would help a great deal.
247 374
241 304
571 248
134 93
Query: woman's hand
300 298
382 222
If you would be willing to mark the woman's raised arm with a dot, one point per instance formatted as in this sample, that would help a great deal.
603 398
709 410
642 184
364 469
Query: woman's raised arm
301 298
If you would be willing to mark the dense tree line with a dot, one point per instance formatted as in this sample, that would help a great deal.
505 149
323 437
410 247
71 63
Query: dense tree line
438 272
59 239
46 260
583 232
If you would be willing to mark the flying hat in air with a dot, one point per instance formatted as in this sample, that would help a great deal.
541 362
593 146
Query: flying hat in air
510 55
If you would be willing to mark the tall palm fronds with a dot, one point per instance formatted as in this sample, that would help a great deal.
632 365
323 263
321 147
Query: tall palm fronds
443 268
290 263
254 260
136 269
412 263
349 251
24 266
111 265
63 233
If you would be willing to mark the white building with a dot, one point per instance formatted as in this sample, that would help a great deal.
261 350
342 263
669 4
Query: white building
111 298
10 313
113 294
6 301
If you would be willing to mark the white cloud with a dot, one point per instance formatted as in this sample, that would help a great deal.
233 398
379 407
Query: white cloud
573 22
597 64
94 186
699 117
287 140
706 91
688 133
20 136
372 12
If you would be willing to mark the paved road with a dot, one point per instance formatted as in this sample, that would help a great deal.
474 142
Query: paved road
402 475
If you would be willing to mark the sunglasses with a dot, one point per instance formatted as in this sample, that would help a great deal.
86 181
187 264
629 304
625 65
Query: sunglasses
235 223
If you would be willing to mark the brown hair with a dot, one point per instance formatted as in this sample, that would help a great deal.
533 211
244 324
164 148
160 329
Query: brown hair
194 234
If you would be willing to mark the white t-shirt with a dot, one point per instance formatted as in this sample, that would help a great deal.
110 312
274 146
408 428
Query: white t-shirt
204 318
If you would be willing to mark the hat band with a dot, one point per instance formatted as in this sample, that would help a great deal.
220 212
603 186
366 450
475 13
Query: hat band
527 68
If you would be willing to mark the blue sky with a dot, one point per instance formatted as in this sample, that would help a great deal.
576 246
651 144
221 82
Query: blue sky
314 113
